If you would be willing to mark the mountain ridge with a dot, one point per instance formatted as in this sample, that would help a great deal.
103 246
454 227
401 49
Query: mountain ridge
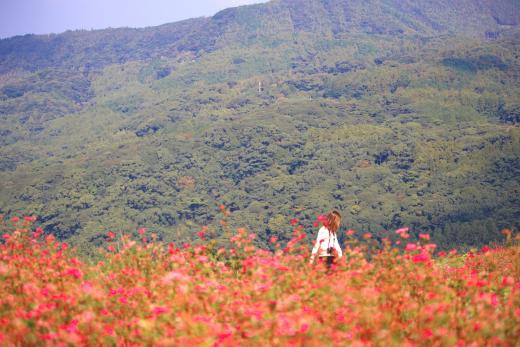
205 34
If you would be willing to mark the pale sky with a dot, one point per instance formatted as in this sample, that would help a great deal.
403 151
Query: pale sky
19 17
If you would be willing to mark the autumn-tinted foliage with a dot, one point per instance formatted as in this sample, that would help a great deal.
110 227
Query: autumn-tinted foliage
145 293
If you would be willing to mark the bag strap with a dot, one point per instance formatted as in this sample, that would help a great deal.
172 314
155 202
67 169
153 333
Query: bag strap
328 243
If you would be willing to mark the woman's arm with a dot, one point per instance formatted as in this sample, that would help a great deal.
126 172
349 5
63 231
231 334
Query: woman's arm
319 240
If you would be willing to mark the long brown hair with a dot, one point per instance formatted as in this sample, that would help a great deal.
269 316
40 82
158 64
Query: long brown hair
333 221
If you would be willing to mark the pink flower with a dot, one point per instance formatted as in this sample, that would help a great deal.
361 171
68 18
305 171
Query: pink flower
74 272
350 232
201 234
171 276
424 236
411 247
494 299
402 230
273 239
286 325
141 231
203 259
111 235
304 327
72 327
158 310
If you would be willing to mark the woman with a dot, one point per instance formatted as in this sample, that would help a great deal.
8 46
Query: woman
327 245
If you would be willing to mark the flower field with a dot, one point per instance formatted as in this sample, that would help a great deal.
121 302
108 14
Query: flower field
146 293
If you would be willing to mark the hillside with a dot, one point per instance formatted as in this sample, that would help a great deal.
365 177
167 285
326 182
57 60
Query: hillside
394 112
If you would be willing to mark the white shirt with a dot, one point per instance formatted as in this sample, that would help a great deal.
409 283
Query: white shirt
325 239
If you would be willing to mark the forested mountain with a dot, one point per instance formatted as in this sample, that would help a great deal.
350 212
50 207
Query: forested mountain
395 112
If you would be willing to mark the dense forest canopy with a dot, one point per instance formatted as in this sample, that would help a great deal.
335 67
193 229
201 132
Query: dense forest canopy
396 113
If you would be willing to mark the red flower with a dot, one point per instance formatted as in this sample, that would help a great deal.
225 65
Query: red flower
108 329
37 233
111 235
294 221
141 231
420 258
201 234
508 281
222 207
427 333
